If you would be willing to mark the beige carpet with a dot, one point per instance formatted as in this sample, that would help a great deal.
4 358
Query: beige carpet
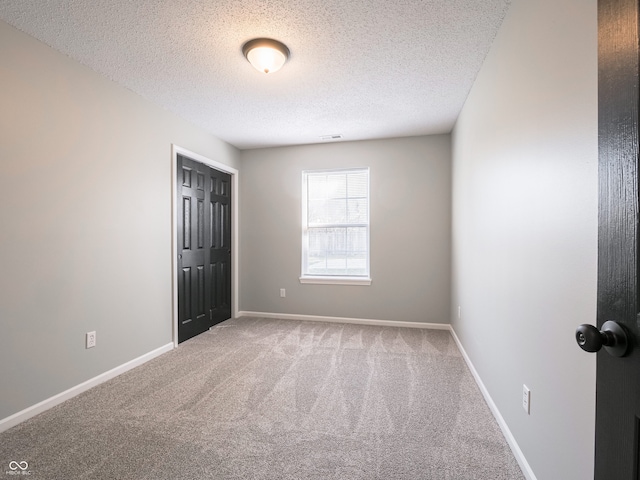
277 399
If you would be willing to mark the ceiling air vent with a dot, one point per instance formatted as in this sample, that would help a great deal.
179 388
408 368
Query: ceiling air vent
336 136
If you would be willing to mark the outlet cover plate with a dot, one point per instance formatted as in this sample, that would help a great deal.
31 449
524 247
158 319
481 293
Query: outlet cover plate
526 399
91 339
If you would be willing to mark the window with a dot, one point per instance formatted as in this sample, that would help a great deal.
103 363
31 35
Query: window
335 226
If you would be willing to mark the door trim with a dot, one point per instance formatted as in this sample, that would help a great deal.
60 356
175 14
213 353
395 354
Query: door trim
175 150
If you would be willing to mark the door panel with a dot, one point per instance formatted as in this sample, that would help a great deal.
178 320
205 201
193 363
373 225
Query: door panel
618 378
184 312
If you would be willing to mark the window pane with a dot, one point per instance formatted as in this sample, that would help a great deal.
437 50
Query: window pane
357 264
317 186
358 184
357 210
337 185
337 251
357 239
337 211
336 200
317 211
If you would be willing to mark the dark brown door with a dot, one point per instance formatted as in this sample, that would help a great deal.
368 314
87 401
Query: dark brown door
204 247
618 373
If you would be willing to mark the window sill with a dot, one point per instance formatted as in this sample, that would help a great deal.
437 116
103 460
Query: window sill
336 280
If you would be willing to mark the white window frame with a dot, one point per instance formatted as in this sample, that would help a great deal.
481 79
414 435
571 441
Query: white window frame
333 279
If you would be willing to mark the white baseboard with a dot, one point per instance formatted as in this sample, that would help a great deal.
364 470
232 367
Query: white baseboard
515 448
358 321
16 418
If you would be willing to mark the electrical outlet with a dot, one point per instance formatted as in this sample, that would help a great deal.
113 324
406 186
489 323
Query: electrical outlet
91 339
283 293
459 312
526 399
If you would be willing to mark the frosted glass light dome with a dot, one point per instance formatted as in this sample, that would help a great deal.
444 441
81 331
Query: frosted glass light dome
265 54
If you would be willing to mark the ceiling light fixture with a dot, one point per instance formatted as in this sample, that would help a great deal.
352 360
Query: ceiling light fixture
265 54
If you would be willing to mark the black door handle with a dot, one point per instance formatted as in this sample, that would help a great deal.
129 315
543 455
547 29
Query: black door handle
612 337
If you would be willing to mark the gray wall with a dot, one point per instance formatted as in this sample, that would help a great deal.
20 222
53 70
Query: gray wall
85 209
525 228
410 230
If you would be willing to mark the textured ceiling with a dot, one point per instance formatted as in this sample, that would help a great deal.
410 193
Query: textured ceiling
361 68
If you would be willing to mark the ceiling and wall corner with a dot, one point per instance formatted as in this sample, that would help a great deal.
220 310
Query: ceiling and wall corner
366 69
